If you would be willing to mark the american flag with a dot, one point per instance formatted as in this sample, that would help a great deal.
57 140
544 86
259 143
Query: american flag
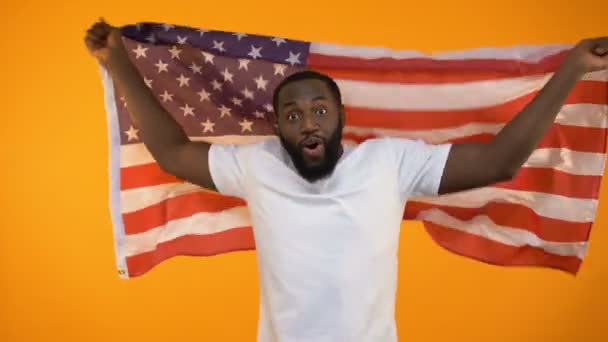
218 85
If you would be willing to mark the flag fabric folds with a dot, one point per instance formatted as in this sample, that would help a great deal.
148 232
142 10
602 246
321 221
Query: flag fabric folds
218 85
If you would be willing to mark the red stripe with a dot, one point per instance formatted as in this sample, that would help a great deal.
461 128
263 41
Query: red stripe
237 239
590 92
496 253
555 182
510 66
139 176
512 215
412 76
175 208
581 139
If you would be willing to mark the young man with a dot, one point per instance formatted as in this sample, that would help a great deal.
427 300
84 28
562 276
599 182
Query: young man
326 218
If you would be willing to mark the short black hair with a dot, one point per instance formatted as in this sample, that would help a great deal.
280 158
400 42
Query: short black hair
307 75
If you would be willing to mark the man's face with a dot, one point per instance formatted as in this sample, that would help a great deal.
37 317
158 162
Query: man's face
310 127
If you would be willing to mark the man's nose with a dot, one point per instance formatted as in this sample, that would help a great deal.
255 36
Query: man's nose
309 124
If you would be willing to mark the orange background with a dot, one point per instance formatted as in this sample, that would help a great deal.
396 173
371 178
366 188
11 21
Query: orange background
58 280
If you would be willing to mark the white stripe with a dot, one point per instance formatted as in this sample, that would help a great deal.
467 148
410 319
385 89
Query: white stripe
568 161
583 115
138 154
433 136
521 53
137 199
445 96
547 205
483 226
197 224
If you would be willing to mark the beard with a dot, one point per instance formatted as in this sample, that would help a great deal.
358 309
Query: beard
312 173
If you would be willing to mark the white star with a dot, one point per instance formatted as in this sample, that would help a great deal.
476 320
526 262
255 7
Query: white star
219 46
195 68
168 27
247 93
244 64
161 66
151 38
279 69
258 114
224 111
279 41
183 81
202 32
216 85
261 82
166 96
268 107
207 126
237 102
246 125
187 110
208 57
140 51
255 52
181 40
227 75
204 95
239 35
132 133
174 51
124 101
148 82
293 58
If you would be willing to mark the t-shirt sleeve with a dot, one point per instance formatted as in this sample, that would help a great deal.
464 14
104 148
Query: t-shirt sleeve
419 166
226 165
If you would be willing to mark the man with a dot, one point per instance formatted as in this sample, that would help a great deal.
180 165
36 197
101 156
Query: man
326 218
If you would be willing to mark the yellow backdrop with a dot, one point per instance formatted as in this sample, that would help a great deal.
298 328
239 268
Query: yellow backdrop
58 280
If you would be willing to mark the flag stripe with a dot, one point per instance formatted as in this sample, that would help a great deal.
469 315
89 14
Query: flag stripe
179 207
201 223
500 56
496 253
386 61
502 214
589 140
482 226
408 97
547 205
554 182
235 239
573 114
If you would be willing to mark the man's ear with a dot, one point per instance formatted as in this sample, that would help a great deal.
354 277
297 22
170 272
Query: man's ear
275 124
342 116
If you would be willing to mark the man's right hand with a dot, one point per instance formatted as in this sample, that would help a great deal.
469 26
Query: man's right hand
104 42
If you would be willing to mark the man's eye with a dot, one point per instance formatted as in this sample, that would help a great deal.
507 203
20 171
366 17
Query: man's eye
292 116
321 111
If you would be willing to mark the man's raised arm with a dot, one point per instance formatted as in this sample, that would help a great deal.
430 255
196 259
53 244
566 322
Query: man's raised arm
161 134
472 165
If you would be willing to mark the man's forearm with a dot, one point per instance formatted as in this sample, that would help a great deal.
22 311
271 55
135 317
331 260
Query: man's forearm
517 140
159 130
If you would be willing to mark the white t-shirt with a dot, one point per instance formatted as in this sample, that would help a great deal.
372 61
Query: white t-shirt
327 251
